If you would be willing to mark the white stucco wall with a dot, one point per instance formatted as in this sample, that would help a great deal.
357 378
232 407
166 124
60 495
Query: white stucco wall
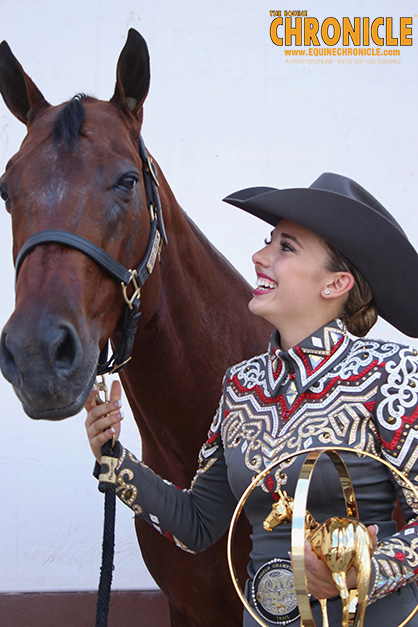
225 111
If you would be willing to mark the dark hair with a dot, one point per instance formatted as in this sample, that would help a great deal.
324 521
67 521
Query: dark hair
68 122
360 311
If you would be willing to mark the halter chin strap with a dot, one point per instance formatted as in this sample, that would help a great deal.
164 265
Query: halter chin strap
137 277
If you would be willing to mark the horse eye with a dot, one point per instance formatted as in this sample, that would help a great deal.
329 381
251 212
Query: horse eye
4 196
127 182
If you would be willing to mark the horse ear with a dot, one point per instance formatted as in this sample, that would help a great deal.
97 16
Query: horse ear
20 93
132 74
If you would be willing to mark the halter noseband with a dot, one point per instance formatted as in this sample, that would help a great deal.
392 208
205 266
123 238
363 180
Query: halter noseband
157 237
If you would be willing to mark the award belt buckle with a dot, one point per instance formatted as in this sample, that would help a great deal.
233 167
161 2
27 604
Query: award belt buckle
273 592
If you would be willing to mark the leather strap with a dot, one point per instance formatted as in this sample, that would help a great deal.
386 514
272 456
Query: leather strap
132 314
56 236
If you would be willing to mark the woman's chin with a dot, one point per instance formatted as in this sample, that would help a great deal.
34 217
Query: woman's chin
256 307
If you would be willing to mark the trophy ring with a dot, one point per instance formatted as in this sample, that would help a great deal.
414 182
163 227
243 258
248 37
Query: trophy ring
298 525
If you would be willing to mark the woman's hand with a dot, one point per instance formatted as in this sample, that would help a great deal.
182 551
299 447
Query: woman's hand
103 421
320 582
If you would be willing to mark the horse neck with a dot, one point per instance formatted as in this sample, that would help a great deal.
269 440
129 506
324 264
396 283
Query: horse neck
200 327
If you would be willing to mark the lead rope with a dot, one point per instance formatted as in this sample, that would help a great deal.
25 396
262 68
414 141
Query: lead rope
107 485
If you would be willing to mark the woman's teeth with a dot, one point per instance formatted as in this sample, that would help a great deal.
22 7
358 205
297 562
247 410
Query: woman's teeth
266 283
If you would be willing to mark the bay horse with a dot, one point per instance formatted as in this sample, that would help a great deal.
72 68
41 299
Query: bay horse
79 172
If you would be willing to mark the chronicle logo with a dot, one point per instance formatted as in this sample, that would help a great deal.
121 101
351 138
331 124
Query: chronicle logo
296 28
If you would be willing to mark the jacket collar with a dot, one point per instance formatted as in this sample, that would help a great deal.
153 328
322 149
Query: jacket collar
306 362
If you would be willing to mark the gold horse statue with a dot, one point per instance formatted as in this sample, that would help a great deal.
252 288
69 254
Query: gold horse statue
342 543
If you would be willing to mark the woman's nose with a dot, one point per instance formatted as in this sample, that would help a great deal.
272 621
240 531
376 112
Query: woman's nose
260 257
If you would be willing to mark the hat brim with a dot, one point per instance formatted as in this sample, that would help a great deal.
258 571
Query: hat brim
371 242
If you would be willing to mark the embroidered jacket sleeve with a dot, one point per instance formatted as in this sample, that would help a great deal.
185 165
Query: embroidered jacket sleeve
395 562
193 518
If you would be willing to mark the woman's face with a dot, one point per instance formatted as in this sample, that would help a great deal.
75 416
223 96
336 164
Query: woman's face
291 274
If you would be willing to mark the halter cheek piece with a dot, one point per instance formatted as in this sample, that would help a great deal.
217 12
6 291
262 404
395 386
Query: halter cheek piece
157 237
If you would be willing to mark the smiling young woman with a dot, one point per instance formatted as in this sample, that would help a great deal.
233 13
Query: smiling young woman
293 277
335 260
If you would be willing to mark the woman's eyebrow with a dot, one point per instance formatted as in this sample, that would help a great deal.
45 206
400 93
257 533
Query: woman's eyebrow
293 238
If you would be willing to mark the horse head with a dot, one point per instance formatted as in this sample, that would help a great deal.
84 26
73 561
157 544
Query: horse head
78 171
281 512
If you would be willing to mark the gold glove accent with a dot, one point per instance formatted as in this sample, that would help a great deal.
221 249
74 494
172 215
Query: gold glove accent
110 464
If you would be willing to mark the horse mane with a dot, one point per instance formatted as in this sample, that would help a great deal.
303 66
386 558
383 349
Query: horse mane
68 123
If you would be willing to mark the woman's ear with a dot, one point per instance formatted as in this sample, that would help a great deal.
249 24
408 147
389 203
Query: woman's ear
340 285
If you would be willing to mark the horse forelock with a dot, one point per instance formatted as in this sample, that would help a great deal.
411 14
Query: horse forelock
69 121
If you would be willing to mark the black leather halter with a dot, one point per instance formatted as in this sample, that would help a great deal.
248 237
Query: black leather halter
123 349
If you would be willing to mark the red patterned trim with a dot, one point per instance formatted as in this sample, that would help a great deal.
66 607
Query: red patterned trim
212 438
370 406
169 536
400 556
268 400
279 369
398 433
270 485
305 360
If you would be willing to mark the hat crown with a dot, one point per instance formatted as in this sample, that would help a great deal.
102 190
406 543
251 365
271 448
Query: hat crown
338 184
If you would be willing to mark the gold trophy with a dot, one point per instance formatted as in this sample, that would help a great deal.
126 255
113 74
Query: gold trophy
342 543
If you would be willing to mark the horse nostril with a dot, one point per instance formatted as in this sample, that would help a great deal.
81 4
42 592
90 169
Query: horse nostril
65 351
8 363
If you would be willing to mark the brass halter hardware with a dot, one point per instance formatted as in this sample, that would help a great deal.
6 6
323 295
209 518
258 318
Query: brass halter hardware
152 172
101 384
137 289
103 388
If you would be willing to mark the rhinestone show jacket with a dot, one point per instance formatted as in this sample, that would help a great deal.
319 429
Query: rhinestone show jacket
329 390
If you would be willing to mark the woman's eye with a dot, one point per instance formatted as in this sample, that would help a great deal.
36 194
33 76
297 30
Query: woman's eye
287 247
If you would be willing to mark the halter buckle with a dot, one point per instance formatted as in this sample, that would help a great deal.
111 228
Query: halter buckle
101 401
101 384
137 289
150 166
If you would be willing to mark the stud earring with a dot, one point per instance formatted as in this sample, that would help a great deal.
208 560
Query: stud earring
326 292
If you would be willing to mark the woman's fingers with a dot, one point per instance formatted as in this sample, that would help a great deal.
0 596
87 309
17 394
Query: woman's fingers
373 531
320 582
103 421
91 401
96 411
319 578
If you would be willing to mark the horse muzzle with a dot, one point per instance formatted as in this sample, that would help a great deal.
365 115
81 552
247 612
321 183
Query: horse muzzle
49 365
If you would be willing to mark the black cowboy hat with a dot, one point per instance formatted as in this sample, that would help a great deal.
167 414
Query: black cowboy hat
344 214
